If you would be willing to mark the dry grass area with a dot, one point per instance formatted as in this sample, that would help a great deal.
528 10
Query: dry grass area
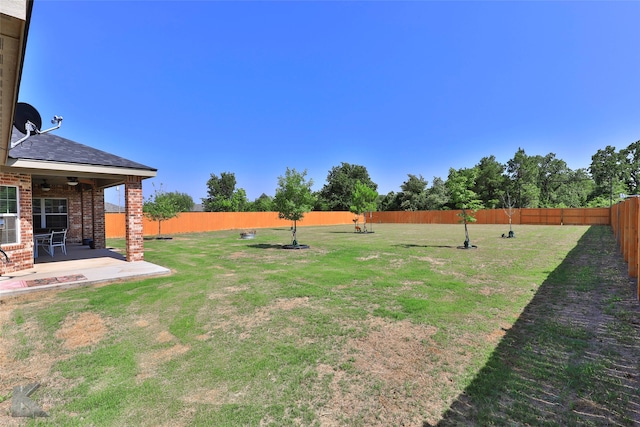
393 364
75 334
388 372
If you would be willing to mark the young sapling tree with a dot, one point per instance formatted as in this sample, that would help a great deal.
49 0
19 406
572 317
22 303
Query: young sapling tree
509 209
294 199
460 184
161 206
363 200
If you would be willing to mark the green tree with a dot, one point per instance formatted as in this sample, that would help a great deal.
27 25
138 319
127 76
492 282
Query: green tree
437 195
238 202
607 171
460 184
630 157
364 200
553 175
413 196
222 195
337 193
388 202
490 181
161 206
575 190
294 198
523 185
263 203
184 202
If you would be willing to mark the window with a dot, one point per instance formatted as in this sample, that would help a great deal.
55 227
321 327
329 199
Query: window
8 214
50 214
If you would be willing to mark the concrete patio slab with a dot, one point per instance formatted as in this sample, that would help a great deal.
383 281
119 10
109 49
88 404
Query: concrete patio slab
81 266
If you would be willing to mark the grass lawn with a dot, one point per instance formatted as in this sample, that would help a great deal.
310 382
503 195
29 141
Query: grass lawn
398 327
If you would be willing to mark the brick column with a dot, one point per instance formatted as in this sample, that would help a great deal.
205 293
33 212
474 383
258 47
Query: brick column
133 218
87 212
99 234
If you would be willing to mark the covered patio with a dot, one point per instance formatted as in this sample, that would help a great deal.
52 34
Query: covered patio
50 183
81 266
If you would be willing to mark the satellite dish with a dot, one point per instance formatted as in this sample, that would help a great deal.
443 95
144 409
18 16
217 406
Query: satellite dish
26 113
27 120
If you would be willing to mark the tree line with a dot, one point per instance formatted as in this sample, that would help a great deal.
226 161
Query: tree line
525 181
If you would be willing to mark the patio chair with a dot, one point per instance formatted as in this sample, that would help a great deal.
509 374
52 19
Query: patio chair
40 240
58 239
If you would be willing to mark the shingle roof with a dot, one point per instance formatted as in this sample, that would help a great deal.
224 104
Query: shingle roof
53 148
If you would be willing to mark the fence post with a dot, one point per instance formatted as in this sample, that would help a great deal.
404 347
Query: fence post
636 221
633 237
625 230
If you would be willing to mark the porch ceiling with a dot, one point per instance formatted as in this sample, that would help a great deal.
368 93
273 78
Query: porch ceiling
97 181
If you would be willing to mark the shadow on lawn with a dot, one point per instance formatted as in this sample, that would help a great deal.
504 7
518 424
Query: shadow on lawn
407 245
265 246
572 356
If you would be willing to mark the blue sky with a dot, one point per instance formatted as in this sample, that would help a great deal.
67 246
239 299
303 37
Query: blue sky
202 87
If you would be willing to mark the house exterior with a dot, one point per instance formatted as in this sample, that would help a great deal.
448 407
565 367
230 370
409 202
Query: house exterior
49 182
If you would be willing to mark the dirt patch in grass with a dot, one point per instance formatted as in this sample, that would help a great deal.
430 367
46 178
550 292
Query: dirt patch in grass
432 261
165 337
392 366
149 362
81 331
23 357
230 320
237 255
368 258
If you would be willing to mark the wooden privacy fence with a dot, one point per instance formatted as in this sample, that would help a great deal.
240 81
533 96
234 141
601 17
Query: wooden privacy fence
559 216
196 222
624 221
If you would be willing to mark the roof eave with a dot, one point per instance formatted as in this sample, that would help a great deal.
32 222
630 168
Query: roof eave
30 166
16 17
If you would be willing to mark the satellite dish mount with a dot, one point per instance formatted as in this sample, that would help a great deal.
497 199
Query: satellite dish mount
27 120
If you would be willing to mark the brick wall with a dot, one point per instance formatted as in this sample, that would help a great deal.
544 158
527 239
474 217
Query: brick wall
86 194
85 205
74 211
133 218
20 254
99 239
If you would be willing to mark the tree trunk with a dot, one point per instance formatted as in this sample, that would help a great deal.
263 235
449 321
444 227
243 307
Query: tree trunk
467 241
295 241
